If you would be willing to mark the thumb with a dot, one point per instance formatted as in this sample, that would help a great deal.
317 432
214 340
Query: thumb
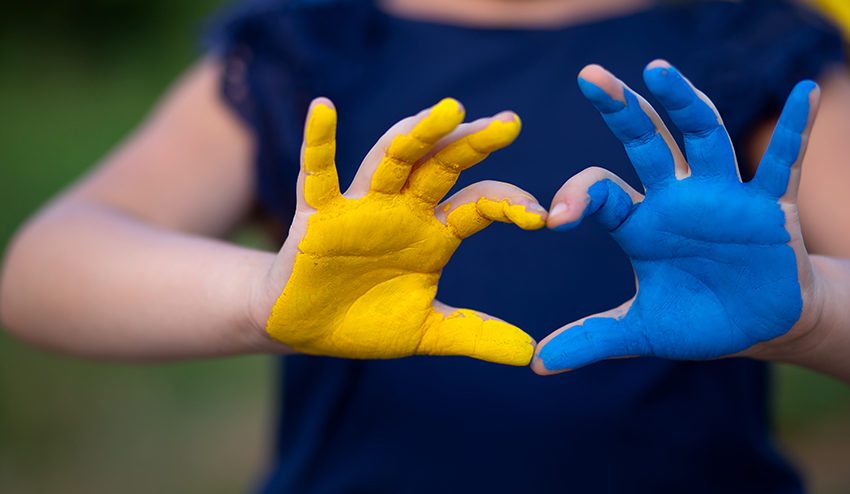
473 334
599 337
593 191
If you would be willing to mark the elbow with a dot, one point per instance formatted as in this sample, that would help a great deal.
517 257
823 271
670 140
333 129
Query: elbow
18 306
6 320
11 313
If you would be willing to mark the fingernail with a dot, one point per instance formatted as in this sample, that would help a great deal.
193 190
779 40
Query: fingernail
535 208
662 71
558 209
601 99
321 101
659 64
507 116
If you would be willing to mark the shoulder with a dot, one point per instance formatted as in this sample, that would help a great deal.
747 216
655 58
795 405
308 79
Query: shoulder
271 24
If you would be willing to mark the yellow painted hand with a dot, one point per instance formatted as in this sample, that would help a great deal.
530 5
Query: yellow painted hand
367 263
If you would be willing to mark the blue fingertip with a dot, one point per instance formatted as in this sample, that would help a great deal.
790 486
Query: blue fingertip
656 76
608 202
551 356
806 85
596 196
557 355
669 85
659 74
600 99
597 338
661 77
572 224
795 115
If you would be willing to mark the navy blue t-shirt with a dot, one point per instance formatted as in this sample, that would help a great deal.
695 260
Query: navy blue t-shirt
428 424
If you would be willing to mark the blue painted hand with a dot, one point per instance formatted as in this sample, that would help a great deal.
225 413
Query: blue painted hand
720 264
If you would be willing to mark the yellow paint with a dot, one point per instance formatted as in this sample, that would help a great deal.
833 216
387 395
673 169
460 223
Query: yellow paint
434 178
406 149
471 218
364 280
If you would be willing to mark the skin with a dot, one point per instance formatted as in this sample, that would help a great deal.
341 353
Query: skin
126 264
362 268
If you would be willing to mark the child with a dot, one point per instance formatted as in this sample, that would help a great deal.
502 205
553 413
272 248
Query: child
123 265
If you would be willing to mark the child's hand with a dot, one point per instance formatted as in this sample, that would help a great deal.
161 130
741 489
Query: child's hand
720 264
361 270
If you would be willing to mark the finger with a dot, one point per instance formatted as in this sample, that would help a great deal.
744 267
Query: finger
387 165
779 171
318 170
651 149
473 334
707 144
408 148
477 206
362 182
433 179
599 337
593 191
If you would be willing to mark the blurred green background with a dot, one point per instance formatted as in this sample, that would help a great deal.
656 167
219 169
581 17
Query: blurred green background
74 79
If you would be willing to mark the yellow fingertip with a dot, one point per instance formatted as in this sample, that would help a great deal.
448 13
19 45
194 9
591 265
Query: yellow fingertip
523 218
495 136
321 125
517 119
448 106
498 341
443 118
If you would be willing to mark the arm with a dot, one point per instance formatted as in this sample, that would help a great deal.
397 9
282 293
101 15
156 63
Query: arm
120 267
117 266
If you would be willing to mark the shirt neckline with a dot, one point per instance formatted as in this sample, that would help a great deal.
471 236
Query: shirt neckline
603 21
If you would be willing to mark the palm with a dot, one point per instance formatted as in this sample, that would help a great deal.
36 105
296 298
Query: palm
365 271
715 272
720 264
379 263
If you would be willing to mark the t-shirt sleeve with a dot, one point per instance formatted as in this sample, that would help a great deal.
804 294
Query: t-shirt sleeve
263 82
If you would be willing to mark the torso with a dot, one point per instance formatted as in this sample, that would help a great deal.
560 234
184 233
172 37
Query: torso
453 424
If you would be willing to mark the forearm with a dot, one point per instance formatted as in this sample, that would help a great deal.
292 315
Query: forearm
824 343
88 280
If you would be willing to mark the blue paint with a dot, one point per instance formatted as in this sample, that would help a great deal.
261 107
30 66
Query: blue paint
715 272
645 147
784 148
706 141
609 203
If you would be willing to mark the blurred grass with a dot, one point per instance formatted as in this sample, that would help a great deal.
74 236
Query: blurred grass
72 84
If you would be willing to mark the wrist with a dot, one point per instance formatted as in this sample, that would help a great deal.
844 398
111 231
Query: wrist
807 336
821 339
253 306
